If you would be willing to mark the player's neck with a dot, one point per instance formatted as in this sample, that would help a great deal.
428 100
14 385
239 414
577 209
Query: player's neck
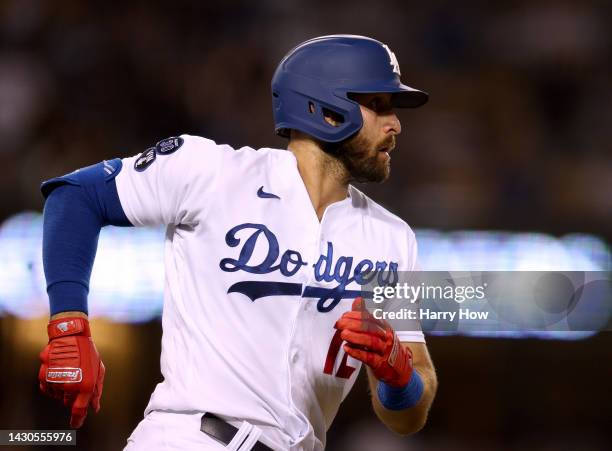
324 177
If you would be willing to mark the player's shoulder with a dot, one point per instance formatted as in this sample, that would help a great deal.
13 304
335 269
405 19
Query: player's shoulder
200 144
205 146
377 213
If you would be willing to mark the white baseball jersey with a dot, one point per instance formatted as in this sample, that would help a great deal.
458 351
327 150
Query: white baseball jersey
255 282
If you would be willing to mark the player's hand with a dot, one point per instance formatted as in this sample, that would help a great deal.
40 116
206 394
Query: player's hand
375 343
71 369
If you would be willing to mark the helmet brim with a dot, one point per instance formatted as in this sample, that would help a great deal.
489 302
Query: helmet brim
403 96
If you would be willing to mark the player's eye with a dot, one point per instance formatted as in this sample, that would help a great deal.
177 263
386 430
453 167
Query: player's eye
380 104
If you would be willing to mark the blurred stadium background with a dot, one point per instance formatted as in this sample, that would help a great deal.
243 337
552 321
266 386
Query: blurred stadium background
509 166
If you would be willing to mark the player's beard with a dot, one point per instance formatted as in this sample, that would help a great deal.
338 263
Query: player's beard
362 159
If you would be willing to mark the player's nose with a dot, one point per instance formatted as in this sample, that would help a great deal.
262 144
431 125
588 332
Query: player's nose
392 124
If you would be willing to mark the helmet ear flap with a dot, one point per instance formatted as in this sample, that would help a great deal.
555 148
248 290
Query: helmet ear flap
277 105
313 108
320 116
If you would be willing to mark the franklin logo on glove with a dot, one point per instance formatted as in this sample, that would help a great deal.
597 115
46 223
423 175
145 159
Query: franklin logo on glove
65 375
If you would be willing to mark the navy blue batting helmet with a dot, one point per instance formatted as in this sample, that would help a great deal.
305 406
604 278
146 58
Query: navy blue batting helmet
316 77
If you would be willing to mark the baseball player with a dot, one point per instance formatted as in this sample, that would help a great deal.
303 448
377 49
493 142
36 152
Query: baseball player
266 254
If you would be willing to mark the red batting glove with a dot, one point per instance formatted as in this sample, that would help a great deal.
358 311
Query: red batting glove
71 369
374 342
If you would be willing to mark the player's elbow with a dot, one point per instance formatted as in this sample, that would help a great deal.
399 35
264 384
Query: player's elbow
409 427
411 420
403 422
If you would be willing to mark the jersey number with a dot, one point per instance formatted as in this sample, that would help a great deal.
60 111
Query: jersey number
344 370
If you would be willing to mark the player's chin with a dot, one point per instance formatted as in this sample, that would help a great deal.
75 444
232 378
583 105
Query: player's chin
382 169
386 167
374 169
380 175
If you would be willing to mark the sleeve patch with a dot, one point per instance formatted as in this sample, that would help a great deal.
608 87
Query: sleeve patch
145 159
169 145
163 147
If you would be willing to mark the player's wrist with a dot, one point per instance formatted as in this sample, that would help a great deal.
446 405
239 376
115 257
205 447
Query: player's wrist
403 397
70 314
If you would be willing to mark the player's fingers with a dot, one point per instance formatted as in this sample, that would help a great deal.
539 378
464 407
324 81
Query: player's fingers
79 410
362 316
44 355
358 325
366 357
68 399
95 399
358 304
348 323
42 372
371 342
357 315
371 329
97 394
55 391
44 387
42 378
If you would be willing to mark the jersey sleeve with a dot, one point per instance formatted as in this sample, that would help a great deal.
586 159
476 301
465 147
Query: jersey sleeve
410 331
171 182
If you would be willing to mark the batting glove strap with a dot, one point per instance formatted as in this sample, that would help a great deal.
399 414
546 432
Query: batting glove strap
68 326
400 398
397 369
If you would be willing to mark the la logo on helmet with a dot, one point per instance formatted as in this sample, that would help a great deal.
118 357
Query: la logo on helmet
392 60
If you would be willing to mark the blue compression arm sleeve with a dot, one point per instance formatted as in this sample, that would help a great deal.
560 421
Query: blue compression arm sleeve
78 205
